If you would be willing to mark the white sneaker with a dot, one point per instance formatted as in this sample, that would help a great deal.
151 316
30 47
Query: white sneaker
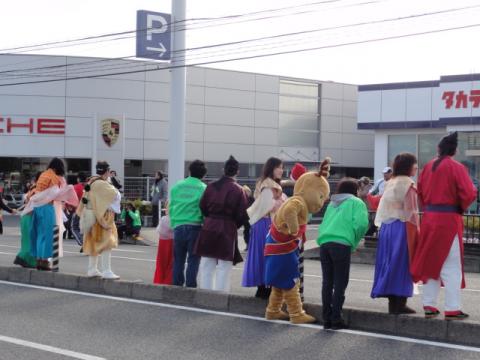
110 275
93 273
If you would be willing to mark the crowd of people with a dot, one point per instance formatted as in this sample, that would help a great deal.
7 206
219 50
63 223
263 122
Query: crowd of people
198 234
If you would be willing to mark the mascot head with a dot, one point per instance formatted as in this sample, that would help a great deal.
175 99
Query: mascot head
313 187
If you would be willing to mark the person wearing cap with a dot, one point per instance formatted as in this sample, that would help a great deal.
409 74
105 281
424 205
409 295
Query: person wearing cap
224 207
103 199
288 185
445 191
379 186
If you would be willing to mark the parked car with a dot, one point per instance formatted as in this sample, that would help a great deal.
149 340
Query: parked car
13 201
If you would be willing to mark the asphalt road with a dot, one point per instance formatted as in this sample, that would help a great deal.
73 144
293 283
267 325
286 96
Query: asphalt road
137 263
94 327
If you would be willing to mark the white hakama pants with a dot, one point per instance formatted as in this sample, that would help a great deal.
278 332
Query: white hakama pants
451 277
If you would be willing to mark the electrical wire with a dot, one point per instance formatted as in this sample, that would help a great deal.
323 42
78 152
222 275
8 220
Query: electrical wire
252 56
121 33
209 55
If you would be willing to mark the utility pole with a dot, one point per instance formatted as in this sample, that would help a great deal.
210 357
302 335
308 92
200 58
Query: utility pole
176 139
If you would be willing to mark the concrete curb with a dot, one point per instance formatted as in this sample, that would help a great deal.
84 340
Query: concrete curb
457 332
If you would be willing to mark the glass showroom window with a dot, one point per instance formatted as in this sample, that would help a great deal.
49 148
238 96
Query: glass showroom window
427 147
298 138
401 143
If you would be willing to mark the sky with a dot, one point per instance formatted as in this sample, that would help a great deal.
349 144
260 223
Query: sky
412 58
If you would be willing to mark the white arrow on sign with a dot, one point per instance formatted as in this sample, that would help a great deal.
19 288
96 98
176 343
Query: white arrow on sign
161 50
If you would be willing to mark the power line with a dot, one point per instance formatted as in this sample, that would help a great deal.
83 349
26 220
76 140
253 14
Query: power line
253 56
101 36
395 19
359 24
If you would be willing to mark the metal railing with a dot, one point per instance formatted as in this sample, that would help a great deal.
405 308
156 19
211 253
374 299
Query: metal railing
137 188
140 187
471 231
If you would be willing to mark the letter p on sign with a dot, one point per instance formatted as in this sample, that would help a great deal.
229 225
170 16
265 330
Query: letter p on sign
156 24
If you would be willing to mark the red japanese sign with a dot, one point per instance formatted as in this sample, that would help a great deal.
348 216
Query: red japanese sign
32 126
461 99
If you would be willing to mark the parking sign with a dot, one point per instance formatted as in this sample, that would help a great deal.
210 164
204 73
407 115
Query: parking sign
153 35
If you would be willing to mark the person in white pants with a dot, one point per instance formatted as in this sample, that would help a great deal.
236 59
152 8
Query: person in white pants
215 274
98 205
445 191
224 207
451 276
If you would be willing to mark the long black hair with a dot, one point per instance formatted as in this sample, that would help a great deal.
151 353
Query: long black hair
270 165
58 166
446 147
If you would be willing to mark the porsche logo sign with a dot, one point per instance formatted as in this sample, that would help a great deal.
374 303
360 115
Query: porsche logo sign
110 131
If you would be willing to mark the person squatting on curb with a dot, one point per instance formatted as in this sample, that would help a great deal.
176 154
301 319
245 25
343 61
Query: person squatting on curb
445 191
344 225
224 207
100 202
397 218
282 244
186 220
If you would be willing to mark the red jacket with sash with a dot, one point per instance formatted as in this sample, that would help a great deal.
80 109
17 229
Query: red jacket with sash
444 195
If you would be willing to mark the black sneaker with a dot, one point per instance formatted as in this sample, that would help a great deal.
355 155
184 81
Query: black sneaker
339 325
455 315
327 325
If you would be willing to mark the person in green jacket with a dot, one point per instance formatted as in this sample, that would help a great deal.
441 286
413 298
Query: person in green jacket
186 220
131 218
343 226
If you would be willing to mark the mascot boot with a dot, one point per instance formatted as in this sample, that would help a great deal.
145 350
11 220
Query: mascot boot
295 308
274 308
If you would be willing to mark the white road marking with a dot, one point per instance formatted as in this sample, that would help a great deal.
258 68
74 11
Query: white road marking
77 247
130 258
10 246
52 349
249 317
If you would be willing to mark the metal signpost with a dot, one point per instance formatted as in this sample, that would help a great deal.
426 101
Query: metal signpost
160 35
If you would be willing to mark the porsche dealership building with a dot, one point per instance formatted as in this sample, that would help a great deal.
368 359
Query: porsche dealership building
72 108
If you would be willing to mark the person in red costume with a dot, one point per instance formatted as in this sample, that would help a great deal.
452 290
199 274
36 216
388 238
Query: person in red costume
445 191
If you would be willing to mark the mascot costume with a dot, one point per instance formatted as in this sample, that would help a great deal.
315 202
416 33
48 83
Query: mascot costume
281 248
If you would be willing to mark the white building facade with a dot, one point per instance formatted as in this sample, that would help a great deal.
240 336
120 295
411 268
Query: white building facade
413 116
124 118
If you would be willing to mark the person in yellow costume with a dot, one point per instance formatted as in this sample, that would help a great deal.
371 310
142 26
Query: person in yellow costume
281 248
100 202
